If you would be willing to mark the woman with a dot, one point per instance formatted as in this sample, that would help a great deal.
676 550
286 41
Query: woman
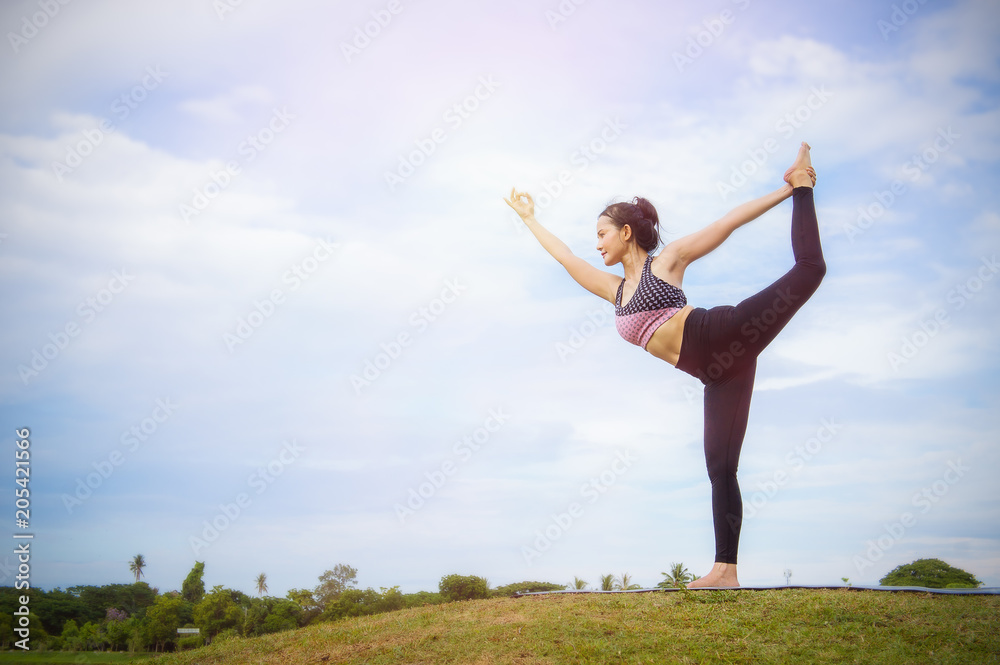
718 346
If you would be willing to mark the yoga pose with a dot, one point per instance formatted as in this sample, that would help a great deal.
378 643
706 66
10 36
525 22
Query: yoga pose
719 346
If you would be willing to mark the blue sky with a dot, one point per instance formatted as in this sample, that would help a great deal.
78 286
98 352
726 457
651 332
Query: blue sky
265 306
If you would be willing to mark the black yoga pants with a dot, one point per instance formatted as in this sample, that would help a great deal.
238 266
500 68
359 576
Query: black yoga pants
720 347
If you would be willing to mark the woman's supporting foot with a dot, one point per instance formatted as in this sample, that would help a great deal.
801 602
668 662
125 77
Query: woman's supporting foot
801 173
722 575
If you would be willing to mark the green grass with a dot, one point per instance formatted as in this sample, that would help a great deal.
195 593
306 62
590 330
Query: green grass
780 626
59 657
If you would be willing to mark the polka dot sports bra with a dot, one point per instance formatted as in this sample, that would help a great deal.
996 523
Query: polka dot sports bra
652 304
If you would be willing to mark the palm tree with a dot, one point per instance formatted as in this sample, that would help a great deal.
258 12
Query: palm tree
624 583
261 584
136 566
607 582
678 576
579 584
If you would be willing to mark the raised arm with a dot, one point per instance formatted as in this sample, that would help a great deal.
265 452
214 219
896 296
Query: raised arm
598 282
692 247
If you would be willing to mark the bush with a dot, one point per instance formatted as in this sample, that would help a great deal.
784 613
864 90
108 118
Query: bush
355 602
929 573
270 615
421 598
190 642
226 635
463 587
511 590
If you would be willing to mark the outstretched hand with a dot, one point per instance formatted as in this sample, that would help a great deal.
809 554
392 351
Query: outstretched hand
812 175
522 203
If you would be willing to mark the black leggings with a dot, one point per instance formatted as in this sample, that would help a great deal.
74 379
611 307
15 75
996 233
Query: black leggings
720 347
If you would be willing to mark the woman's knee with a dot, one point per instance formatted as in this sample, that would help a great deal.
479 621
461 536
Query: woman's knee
809 274
721 471
819 269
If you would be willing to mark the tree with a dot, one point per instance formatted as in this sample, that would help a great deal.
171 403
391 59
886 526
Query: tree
355 603
678 576
131 598
271 615
930 573
352 603
511 590
135 628
91 636
607 582
788 575
261 584
334 582
624 583
193 588
304 598
116 628
136 566
71 636
421 598
463 587
217 612
56 607
163 619
6 631
579 584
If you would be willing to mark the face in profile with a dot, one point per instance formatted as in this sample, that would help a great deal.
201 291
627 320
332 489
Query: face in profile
610 240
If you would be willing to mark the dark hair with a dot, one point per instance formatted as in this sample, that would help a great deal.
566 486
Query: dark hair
641 217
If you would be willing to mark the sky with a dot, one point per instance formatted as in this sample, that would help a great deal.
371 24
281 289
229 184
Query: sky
265 307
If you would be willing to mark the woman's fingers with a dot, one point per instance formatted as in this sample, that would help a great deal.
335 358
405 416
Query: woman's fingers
517 201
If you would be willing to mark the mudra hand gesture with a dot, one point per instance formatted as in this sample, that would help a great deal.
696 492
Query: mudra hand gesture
522 203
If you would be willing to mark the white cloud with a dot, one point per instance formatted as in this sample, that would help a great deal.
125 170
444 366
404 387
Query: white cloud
226 107
495 343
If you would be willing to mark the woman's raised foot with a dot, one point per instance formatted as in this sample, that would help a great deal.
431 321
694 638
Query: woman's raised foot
801 173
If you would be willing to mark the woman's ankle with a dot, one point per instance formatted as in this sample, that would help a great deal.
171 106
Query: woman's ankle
799 178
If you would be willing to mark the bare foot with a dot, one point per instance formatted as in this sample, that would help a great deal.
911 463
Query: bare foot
801 173
722 575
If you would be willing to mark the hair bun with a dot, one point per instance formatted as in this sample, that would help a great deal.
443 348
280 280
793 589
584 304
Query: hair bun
647 210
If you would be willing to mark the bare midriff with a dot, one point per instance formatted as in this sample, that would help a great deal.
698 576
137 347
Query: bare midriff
665 343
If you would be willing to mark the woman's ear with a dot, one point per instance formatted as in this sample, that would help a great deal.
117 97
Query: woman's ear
625 233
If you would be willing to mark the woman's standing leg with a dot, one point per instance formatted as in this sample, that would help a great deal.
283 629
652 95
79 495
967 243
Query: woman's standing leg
724 345
727 409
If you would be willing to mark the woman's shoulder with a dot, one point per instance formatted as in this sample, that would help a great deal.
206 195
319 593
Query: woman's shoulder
667 258
667 265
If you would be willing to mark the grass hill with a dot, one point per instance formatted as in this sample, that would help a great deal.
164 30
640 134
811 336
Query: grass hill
746 626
